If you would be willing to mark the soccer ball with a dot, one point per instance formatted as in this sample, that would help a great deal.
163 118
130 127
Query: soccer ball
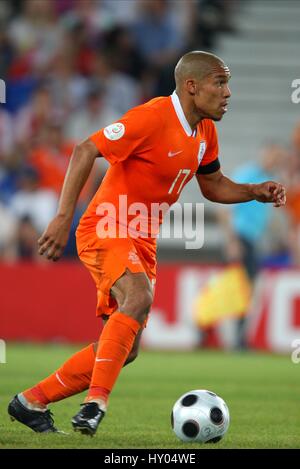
200 416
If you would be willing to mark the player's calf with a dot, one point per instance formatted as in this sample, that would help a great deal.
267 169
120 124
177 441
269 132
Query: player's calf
131 357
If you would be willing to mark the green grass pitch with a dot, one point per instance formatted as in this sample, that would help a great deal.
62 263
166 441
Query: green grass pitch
261 391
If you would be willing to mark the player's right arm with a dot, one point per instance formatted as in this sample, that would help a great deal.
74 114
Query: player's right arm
55 237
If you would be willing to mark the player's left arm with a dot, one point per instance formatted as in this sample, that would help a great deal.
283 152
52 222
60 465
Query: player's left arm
219 188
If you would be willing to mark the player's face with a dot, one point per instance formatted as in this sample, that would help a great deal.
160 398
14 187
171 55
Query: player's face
213 93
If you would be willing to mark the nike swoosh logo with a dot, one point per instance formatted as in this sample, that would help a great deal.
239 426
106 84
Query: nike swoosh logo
174 153
103 360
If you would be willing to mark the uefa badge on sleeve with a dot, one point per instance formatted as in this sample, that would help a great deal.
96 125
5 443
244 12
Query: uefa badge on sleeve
114 131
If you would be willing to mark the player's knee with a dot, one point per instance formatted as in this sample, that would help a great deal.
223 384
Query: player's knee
146 301
138 305
139 302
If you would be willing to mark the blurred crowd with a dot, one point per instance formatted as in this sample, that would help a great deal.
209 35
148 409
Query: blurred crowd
70 68
255 234
74 66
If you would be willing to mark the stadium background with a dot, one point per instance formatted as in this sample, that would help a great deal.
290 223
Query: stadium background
73 66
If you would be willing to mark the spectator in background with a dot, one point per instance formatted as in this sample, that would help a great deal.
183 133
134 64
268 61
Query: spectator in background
80 45
120 90
88 119
95 15
209 19
51 157
8 234
124 12
127 59
159 39
63 6
124 52
182 15
67 87
33 207
36 34
31 119
292 181
244 225
9 175
10 160
6 135
7 52
6 10
157 36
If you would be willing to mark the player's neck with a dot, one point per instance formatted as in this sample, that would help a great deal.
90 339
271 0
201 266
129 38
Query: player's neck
191 116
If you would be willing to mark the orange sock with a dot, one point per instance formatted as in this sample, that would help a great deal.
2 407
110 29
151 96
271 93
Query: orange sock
72 377
115 343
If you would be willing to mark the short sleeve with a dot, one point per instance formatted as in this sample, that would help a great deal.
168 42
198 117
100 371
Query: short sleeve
210 161
137 130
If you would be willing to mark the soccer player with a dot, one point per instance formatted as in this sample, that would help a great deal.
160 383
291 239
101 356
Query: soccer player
154 150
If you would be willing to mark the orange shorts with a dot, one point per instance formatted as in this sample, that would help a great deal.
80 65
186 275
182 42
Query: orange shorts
107 260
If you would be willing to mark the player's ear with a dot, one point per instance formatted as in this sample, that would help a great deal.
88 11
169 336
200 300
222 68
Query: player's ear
191 86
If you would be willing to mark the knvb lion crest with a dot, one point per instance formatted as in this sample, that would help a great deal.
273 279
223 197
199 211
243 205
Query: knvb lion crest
202 149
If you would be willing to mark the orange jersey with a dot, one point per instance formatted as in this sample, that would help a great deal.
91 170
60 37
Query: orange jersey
153 154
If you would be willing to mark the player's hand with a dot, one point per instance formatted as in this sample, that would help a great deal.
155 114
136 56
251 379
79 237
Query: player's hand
270 192
54 239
